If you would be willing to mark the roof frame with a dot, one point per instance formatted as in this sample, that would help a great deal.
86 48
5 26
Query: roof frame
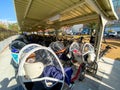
80 19
71 13
98 9
63 11
28 8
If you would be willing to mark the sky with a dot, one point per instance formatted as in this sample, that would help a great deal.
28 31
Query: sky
7 11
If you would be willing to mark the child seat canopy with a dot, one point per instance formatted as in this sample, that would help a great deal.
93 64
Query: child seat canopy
36 61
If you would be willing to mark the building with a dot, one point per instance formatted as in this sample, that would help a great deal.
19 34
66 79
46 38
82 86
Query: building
116 4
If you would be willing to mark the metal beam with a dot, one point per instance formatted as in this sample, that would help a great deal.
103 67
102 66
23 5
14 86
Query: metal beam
80 19
32 19
82 22
63 11
112 7
97 8
66 10
103 22
28 8
73 6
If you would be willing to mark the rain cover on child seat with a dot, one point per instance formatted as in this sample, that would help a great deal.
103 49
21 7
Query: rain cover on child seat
88 53
60 50
57 47
15 47
76 50
39 63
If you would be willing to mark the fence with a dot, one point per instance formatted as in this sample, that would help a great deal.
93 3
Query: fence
6 33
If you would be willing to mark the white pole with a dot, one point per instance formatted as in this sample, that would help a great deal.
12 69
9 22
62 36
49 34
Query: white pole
103 22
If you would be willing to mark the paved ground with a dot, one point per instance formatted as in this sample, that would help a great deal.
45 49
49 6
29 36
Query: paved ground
6 42
7 72
109 73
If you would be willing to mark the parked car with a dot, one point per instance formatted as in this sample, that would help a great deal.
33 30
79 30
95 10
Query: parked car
113 34
118 34
105 34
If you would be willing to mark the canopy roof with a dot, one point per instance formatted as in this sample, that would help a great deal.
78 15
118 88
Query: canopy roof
40 14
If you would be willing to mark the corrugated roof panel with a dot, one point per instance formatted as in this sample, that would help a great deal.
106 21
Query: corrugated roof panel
73 13
86 9
82 19
65 16
43 11
31 13
75 10
48 3
81 10
40 11
89 8
75 1
20 12
38 14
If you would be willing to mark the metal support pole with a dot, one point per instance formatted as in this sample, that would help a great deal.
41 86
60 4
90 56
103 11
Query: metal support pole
43 30
56 27
96 35
103 22
56 32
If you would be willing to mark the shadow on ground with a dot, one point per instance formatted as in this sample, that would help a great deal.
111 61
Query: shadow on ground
89 84
117 58
114 43
111 75
4 85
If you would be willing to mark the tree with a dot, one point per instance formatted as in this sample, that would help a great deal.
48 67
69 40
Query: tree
110 26
13 26
109 31
3 25
92 26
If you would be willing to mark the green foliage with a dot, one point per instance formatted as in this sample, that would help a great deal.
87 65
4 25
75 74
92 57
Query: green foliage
109 25
10 26
3 25
7 30
109 31
4 33
93 25
13 26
